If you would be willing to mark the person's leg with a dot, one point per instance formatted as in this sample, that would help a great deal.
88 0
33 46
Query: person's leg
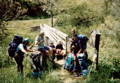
19 64
86 54
16 58
21 67
75 62
47 51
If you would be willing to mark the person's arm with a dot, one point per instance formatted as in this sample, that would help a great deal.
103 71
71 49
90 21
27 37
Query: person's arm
38 42
22 49
28 50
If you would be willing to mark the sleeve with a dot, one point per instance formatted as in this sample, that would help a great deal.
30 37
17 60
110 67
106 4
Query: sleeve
61 46
56 47
21 46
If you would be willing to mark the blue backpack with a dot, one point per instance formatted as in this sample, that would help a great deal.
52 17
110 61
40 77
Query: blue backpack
83 39
14 44
69 63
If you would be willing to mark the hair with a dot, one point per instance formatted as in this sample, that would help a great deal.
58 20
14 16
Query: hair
75 35
73 30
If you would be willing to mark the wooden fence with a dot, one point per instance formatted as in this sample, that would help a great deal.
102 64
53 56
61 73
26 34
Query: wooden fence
52 34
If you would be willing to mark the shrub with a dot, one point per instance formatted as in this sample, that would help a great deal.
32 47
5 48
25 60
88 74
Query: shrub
80 15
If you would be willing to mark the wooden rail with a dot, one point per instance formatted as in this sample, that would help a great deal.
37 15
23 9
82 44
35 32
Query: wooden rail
52 34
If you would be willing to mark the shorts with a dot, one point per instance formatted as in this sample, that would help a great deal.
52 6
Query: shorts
43 49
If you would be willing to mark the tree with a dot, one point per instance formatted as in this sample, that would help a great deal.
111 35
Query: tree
9 10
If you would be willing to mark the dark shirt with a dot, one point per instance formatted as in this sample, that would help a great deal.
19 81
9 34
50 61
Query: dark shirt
59 46
52 46
77 46
18 50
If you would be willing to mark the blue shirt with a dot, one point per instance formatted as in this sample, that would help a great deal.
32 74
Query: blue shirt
38 39
18 50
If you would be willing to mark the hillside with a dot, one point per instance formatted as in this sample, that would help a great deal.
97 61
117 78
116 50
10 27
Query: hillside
84 16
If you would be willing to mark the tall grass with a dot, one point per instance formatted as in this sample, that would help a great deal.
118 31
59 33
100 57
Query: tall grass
109 59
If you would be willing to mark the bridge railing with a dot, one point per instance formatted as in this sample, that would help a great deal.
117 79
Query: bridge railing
52 34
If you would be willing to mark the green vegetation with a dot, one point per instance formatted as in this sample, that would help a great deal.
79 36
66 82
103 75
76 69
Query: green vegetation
84 16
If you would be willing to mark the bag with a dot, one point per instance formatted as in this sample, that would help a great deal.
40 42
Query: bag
83 39
69 63
14 44
82 62
36 61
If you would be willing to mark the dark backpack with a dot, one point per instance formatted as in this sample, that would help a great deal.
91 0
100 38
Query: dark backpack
14 44
36 60
83 39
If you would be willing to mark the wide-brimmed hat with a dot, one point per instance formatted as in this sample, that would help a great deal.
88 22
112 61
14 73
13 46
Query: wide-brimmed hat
27 39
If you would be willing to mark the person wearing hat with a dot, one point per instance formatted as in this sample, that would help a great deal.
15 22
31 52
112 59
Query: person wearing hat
19 55
39 41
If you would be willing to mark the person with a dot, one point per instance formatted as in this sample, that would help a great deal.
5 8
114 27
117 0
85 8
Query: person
84 48
53 50
73 32
19 55
59 49
39 41
75 49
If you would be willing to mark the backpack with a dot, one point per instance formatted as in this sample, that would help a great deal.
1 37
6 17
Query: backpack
14 44
83 64
36 61
83 39
69 63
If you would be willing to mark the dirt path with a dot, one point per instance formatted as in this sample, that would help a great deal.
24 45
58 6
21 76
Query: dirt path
66 76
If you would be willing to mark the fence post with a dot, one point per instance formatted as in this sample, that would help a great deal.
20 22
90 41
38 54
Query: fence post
97 41
94 42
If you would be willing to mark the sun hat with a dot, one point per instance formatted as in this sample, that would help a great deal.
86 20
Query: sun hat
41 32
27 39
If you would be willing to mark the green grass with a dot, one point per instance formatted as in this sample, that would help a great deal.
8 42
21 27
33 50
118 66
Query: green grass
109 59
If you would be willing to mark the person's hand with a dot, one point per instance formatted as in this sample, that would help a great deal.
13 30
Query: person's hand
73 46
69 39
34 50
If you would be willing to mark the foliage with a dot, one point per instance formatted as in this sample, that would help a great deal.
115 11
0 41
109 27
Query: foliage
9 10
78 14
85 13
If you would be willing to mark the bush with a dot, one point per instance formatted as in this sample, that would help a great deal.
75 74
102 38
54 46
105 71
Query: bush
104 75
80 15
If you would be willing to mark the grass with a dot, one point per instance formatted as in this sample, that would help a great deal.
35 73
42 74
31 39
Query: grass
109 59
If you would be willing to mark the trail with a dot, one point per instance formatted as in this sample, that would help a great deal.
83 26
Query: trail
66 76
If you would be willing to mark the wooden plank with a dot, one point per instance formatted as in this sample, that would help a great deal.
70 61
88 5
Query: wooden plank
57 31
55 35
